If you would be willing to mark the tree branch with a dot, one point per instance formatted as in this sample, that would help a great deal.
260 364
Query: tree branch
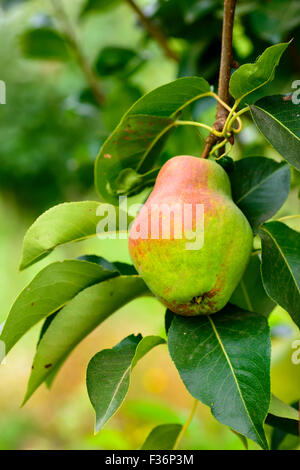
154 31
81 59
224 75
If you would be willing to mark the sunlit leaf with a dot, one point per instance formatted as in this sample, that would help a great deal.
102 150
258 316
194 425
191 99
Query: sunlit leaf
77 319
249 77
108 374
281 410
281 266
64 223
129 155
242 438
49 291
284 419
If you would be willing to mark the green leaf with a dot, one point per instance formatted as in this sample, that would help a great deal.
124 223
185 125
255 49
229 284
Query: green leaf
284 419
281 440
278 120
46 325
112 60
98 260
125 268
168 319
162 437
44 43
108 374
77 319
130 145
169 99
122 268
69 222
130 182
135 144
49 291
224 361
250 293
259 187
250 77
282 410
242 438
281 266
91 6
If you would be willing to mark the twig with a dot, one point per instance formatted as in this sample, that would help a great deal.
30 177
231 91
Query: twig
154 31
224 75
78 53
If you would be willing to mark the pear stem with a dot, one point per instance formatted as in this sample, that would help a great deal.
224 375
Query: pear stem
199 124
230 110
231 120
186 425
224 75
218 146
226 151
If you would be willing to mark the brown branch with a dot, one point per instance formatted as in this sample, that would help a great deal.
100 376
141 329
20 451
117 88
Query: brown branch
80 57
154 31
224 75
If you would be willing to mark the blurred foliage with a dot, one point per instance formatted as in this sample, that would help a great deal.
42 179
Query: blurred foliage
51 130
52 126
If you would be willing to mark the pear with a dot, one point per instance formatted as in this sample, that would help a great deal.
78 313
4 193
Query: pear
190 243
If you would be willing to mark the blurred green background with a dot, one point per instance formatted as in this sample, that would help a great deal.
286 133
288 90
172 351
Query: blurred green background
51 130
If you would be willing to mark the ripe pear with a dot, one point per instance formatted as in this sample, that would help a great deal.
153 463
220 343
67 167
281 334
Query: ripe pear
191 277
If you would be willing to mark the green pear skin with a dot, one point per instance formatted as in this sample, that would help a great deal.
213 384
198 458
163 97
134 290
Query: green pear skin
192 281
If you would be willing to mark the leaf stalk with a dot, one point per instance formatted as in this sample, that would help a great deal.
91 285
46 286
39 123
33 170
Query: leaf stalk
186 425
